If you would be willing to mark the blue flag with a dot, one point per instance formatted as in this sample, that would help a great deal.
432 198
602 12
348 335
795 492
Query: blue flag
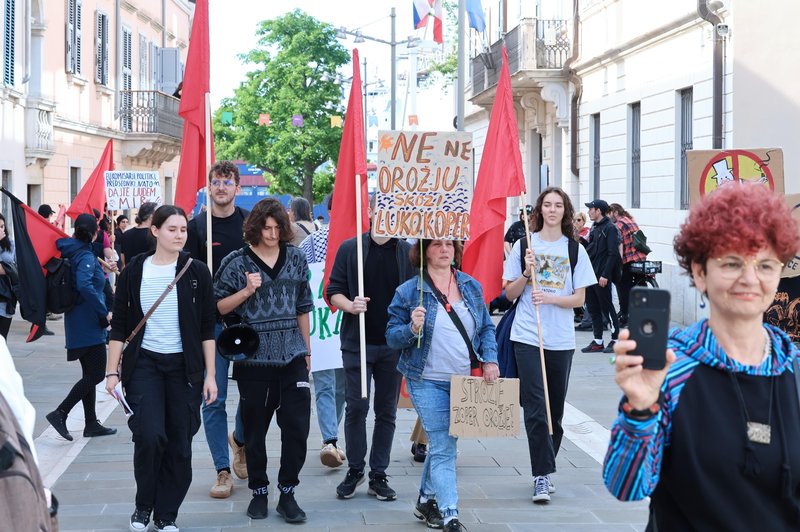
475 12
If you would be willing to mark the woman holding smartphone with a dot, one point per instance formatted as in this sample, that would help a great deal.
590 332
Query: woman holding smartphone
712 437
163 375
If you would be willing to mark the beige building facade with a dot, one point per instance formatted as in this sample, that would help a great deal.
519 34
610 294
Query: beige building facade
77 73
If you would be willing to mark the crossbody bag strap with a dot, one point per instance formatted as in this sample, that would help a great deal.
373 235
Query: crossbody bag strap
473 358
161 298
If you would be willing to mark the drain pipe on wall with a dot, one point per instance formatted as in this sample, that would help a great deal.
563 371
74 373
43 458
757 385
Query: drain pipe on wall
709 16
575 79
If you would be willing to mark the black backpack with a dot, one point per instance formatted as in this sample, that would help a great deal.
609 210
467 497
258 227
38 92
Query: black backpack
61 293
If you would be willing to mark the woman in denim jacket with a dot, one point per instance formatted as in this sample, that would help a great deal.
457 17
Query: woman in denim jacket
443 353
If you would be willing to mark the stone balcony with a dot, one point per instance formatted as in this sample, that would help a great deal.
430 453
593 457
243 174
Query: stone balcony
39 141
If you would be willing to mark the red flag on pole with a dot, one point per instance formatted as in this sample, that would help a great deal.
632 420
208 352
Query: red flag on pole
93 193
196 83
500 176
352 162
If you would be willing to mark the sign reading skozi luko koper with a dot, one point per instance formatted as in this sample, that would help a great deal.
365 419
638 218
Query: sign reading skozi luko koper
425 185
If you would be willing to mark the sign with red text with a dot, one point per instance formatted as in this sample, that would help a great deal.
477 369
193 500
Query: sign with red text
425 185
710 169
480 409
128 190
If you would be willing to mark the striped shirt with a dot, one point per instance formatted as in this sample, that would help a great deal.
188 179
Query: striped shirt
162 331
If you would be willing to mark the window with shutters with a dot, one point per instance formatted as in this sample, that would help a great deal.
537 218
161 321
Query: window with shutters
127 77
74 36
154 67
686 141
144 68
636 154
9 23
101 43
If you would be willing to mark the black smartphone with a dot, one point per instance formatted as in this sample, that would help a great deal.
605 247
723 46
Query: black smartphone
648 322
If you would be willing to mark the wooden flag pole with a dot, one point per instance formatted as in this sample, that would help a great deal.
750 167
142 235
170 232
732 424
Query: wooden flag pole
421 280
538 324
362 324
209 238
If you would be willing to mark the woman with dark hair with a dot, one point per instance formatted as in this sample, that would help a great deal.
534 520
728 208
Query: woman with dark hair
162 370
266 286
563 271
121 227
443 353
712 437
137 239
8 279
300 215
85 327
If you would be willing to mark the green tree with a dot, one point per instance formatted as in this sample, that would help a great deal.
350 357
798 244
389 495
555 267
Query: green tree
295 66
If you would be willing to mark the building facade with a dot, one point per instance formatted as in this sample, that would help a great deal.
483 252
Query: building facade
77 73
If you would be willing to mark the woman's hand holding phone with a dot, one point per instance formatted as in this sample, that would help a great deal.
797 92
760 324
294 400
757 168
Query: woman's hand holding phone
641 386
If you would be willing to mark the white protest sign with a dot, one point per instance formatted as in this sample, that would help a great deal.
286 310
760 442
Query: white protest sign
325 326
484 409
425 185
128 190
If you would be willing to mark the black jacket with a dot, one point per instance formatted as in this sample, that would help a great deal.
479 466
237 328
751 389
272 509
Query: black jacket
344 280
196 318
603 249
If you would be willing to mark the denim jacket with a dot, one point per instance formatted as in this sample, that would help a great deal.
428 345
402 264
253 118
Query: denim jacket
398 330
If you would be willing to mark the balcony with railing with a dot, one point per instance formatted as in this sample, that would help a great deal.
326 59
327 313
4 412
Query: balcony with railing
152 125
537 48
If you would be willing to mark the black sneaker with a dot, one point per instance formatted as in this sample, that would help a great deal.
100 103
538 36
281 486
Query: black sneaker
259 507
610 347
429 512
96 429
593 347
140 520
420 452
289 510
379 486
58 420
165 525
352 480
454 525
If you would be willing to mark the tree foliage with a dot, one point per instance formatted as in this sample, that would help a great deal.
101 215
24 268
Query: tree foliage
295 62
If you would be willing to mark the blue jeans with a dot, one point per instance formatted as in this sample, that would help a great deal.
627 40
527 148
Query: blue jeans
329 397
432 402
215 419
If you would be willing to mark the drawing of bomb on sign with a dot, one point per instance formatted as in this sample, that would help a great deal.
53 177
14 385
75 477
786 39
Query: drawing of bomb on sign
710 169
425 185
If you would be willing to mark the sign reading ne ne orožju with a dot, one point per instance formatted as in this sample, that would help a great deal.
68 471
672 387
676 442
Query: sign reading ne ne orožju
484 409
425 185
128 190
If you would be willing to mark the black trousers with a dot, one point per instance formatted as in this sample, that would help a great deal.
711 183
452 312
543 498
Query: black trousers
382 368
624 288
5 325
599 304
93 367
166 415
542 447
286 393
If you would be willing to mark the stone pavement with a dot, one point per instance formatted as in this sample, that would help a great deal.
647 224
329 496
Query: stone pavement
93 479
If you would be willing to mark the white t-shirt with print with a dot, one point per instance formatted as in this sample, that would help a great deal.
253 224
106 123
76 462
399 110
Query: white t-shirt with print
553 276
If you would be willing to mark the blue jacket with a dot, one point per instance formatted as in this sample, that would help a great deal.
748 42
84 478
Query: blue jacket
398 330
82 322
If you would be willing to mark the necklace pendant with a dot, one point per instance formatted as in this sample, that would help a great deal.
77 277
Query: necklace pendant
759 432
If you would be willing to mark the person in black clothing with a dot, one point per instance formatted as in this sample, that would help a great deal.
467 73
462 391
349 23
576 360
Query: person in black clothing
603 251
227 223
516 230
119 230
137 239
386 267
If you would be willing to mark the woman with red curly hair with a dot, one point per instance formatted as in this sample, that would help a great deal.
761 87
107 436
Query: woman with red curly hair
708 437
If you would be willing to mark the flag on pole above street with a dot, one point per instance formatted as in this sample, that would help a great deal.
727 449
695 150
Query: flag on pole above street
196 84
422 9
352 162
477 19
500 176
93 193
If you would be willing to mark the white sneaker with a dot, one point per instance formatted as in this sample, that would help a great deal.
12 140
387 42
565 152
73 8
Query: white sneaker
329 456
551 488
541 489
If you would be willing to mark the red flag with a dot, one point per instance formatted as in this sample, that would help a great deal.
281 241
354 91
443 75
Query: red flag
352 162
93 193
196 84
499 177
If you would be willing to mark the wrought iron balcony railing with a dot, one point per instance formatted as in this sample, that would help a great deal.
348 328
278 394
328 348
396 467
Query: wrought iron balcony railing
150 112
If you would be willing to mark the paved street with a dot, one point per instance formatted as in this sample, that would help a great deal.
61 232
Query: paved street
93 479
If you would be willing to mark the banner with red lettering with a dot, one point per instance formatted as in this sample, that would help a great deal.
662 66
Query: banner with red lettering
425 185
128 190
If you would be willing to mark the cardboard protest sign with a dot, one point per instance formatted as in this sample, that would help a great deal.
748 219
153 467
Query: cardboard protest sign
325 326
482 409
128 190
711 169
792 268
425 185
404 399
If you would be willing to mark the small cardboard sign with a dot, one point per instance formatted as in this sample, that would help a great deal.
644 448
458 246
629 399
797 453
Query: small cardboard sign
425 185
711 169
128 190
792 268
324 325
404 399
480 409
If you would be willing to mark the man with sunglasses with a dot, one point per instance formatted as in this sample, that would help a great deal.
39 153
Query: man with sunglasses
226 236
